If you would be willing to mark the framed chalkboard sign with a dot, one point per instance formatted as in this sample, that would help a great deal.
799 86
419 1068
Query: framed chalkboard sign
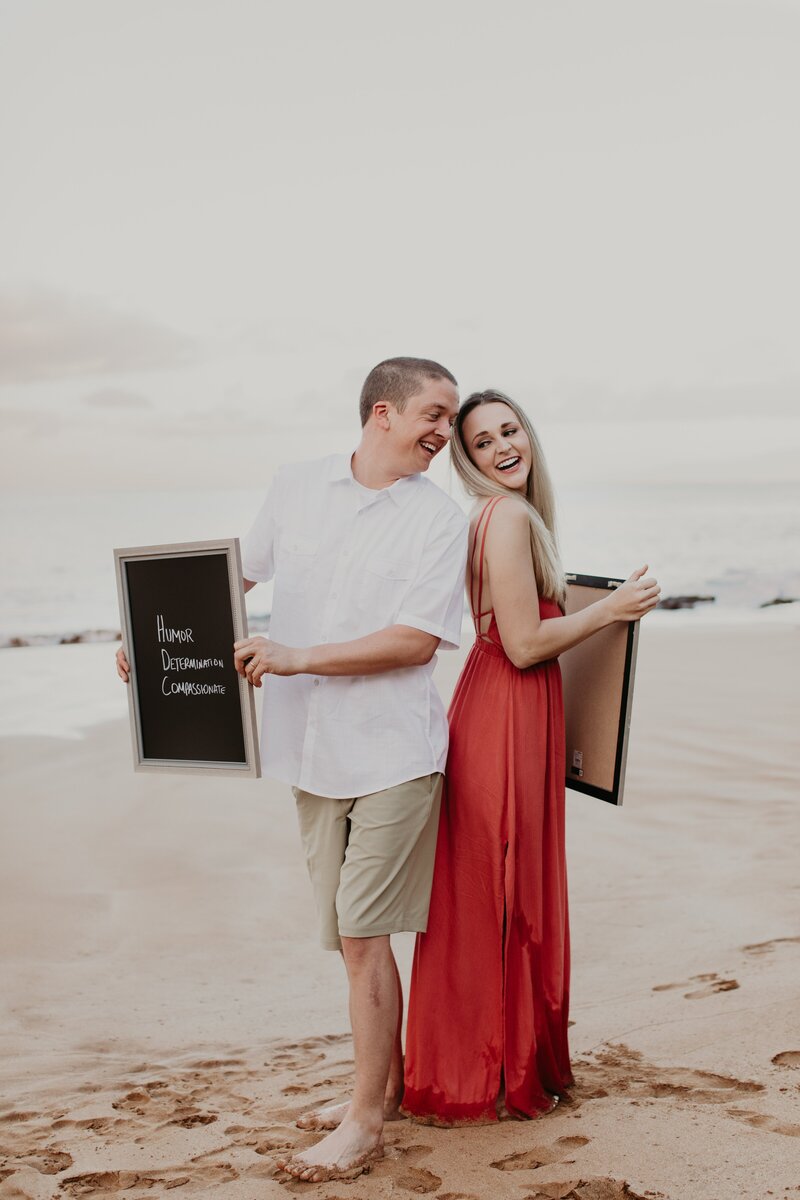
182 608
598 679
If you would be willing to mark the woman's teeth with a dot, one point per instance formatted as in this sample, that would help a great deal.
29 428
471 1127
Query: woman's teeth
508 465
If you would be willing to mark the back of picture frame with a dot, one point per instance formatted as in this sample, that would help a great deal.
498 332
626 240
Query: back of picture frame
598 677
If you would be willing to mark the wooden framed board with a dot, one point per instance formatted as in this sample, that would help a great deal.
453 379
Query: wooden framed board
598 679
181 608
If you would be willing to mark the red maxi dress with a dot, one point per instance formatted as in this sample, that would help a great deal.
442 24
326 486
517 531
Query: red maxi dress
489 1001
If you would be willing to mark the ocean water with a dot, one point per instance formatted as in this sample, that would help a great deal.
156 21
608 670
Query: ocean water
740 544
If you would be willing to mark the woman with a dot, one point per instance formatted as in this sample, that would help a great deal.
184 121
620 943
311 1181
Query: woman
488 1010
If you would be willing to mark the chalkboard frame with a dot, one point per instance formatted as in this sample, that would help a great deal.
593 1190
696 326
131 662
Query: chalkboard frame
614 794
251 767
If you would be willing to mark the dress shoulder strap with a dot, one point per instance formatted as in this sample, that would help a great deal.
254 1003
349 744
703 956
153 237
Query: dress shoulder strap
481 530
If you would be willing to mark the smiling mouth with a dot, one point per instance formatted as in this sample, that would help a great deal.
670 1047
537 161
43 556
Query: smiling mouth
509 464
430 448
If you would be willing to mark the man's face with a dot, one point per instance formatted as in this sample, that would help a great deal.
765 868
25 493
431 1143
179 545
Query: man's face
423 428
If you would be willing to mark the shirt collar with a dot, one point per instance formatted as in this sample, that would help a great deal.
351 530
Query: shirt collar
400 491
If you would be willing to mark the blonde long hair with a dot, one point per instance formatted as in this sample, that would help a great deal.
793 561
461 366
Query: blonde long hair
539 497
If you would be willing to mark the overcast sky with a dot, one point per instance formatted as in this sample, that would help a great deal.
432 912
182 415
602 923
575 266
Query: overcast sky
217 215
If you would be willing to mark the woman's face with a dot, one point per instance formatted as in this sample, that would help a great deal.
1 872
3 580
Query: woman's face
498 445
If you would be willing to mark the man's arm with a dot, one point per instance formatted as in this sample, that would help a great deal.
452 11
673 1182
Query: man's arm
387 650
430 613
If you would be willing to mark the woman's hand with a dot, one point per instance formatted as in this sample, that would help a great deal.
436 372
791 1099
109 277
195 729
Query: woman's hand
259 656
635 597
123 666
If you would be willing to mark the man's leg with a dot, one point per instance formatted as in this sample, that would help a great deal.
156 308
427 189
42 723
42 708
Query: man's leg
384 887
324 832
332 1115
374 1012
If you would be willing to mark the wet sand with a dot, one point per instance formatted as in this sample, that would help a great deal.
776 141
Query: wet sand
167 1014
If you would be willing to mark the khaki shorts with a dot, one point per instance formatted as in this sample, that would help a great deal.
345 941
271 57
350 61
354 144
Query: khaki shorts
370 858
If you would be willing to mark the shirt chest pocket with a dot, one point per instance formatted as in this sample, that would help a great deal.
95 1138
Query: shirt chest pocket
296 557
386 580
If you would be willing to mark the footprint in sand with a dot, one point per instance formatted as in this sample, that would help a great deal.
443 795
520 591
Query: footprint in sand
99 1182
104 1183
768 947
417 1179
719 985
276 1141
619 1070
764 1121
133 1102
284 1061
539 1156
210 1064
589 1189
190 1120
302 1089
410 1153
93 1124
787 1058
710 978
46 1162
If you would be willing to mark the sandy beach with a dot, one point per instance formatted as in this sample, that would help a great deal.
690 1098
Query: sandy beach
167 1014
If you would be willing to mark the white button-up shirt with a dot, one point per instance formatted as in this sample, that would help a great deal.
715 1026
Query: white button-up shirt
347 562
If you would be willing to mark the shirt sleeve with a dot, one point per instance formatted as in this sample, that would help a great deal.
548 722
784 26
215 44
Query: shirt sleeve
434 602
258 548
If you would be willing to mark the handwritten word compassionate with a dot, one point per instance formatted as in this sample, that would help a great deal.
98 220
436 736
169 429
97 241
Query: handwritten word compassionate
188 687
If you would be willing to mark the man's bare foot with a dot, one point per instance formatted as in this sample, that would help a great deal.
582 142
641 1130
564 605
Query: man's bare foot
345 1153
332 1115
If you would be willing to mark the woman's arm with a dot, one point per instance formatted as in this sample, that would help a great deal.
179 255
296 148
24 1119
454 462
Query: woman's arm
527 639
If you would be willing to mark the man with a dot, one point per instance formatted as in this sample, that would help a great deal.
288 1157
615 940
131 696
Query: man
368 559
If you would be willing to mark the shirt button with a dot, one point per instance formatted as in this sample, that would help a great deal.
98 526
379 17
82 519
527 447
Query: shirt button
316 683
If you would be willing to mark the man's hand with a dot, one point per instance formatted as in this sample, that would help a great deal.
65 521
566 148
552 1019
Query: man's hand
123 666
259 656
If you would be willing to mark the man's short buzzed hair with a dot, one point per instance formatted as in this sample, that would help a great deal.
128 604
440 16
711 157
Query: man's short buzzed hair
395 380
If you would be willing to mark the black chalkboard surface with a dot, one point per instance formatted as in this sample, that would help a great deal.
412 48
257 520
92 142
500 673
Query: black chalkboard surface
182 608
